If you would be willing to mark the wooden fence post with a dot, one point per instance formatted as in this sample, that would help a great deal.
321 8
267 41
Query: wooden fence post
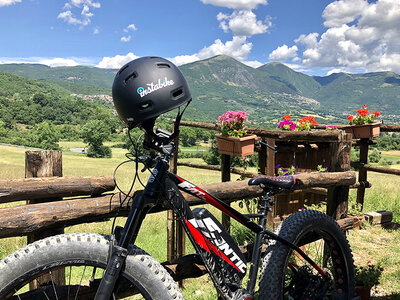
337 203
362 173
175 231
44 164
226 176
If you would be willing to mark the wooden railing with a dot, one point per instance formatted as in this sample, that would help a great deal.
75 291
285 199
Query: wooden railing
87 201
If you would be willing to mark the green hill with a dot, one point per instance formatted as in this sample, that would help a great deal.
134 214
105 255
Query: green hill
79 79
222 83
29 101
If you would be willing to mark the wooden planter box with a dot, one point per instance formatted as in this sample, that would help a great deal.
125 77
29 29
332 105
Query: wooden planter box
236 146
364 131
363 292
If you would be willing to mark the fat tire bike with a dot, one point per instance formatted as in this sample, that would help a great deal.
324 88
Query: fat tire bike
308 257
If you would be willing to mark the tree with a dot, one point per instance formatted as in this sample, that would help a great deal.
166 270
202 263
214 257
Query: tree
94 133
47 136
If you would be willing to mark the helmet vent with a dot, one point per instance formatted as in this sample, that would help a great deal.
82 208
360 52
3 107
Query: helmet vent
177 93
132 76
163 65
145 106
123 69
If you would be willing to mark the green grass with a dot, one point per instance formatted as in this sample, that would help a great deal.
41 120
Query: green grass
375 244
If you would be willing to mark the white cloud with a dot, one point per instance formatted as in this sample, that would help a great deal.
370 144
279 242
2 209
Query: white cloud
283 53
336 70
343 12
359 36
130 27
238 48
126 39
8 2
184 59
58 62
85 14
51 62
117 61
242 23
236 4
96 31
310 40
253 63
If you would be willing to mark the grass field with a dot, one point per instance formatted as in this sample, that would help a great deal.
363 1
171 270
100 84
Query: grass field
375 244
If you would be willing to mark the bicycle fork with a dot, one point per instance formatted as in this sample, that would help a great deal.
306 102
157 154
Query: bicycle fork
118 251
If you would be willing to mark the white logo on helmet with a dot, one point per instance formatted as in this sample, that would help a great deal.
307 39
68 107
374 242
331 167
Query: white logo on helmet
151 87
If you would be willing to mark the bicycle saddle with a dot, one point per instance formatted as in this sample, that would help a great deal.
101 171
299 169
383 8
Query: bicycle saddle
282 182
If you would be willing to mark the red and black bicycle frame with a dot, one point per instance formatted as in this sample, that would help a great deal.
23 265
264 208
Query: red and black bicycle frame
165 186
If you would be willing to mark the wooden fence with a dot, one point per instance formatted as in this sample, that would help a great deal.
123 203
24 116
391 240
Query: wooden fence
66 201
56 202
330 143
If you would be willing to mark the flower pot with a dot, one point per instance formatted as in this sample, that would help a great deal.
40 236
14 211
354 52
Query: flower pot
363 292
234 146
357 221
363 131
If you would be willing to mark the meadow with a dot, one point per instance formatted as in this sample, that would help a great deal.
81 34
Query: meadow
370 244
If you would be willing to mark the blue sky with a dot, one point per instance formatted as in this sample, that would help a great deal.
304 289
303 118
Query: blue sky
312 36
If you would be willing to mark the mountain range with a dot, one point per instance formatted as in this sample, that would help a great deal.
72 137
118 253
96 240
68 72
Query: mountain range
222 83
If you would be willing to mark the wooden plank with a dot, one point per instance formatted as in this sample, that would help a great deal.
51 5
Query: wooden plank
50 187
24 219
377 169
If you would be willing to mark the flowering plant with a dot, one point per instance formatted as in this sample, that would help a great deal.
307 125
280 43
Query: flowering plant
331 127
304 123
232 123
368 275
286 124
322 169
363 116
285 171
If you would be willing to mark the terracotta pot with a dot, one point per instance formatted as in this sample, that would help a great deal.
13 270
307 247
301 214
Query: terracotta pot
363 131
363 292
243 146
357 221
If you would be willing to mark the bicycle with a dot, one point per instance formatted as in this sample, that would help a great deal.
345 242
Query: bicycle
307 258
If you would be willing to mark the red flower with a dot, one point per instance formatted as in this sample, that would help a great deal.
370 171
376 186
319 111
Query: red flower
364 106
286 117
376 113
350 118
362 112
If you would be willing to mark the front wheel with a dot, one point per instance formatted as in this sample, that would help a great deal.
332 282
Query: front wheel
33 272
286 275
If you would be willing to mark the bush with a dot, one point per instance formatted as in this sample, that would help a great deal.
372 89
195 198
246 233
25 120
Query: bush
375 156
100 151
94 133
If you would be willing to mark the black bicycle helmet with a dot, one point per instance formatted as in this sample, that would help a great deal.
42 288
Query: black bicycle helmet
147 87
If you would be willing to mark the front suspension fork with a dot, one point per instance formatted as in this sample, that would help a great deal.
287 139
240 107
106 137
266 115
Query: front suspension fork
119 250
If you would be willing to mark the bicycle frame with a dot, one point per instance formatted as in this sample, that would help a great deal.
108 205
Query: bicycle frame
166 186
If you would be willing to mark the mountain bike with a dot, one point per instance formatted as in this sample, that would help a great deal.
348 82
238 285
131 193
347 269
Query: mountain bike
308 257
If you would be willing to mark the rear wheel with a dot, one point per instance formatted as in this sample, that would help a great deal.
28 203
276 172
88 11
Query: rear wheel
286 275
29 273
